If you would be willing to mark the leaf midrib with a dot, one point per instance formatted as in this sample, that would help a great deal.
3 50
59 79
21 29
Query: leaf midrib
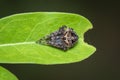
14 44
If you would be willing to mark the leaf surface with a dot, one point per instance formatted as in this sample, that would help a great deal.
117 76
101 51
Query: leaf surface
6 75
19 33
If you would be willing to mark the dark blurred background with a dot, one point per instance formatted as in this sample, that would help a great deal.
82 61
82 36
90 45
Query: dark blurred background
103 65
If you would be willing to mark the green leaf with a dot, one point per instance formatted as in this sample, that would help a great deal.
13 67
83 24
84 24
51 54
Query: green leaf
19 32
6 75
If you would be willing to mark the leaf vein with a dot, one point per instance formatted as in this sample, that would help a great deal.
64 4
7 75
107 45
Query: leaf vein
14 44
33 29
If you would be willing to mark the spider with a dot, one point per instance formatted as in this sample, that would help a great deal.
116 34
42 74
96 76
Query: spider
64 38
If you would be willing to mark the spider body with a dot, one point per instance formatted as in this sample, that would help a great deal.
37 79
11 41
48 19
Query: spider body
64 38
